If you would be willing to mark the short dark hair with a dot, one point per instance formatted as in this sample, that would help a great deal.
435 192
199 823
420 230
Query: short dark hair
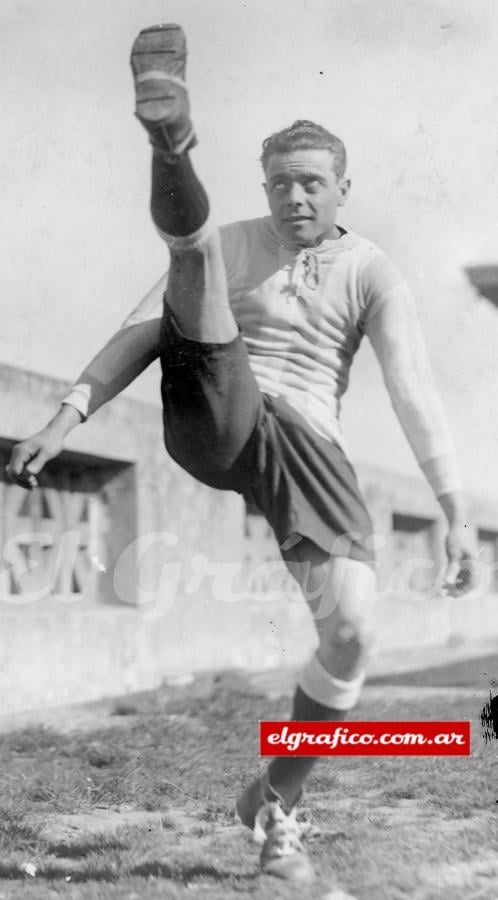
305 135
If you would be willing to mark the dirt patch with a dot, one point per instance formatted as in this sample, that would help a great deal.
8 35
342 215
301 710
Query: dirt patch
163 835
146 807
65 828
68 829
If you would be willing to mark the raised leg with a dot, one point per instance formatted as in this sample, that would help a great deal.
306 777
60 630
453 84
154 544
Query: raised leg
210 398
197 291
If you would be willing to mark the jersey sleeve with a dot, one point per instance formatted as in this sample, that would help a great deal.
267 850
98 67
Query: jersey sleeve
125 356
393 327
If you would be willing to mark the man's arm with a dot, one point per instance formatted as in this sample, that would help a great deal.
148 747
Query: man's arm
395 333
29 457
125 356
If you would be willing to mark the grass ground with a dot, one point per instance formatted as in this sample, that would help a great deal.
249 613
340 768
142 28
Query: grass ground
142 807
480 671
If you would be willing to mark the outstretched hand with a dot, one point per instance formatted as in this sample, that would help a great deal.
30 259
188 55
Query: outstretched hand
30 456
461 575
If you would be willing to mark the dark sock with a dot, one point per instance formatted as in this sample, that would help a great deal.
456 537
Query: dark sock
179 203
287 773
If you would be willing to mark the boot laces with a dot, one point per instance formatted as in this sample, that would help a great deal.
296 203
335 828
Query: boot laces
280 833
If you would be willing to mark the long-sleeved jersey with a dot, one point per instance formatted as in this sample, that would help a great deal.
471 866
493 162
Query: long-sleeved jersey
302 315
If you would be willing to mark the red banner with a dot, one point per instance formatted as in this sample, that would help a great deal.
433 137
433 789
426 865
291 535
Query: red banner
364 738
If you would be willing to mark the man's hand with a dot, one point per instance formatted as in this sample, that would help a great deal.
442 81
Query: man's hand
462 573
29 457
461 576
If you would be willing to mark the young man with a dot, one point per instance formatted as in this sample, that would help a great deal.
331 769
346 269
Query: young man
256 336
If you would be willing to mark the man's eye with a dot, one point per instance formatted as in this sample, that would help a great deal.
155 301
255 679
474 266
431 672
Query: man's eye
313 185
278 185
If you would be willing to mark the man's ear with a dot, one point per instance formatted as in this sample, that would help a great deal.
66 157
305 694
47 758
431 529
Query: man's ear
265 187
344 188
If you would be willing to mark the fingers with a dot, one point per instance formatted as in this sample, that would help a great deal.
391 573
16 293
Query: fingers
36 464
461 577
451 574
25 463
21 454
24 479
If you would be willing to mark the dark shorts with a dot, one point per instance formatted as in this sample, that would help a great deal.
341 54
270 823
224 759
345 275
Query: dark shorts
224 431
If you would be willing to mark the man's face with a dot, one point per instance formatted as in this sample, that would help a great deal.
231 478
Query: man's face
304 192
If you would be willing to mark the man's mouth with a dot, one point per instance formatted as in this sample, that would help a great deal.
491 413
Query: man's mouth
297 219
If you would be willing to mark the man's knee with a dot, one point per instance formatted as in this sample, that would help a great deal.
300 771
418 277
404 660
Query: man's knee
345 644
354 632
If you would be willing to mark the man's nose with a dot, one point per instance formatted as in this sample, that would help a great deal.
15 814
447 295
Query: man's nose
295 195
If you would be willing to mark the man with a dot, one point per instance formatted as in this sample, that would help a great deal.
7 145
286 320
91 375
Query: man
258 330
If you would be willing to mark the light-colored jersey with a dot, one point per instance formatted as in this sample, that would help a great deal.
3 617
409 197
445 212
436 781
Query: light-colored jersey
302 315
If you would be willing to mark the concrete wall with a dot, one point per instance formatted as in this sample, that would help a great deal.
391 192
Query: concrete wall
412 618
191 581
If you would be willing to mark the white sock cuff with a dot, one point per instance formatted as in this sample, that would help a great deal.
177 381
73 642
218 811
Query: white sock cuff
324 688
194 241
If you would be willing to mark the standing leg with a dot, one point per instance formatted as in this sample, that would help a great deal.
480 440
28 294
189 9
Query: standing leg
330 684
343 592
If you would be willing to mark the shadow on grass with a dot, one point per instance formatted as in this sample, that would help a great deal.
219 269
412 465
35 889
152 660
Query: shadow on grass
80 851
182 873
178 873
13 872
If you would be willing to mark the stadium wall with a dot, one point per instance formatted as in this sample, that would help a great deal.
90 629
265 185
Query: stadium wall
121 571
